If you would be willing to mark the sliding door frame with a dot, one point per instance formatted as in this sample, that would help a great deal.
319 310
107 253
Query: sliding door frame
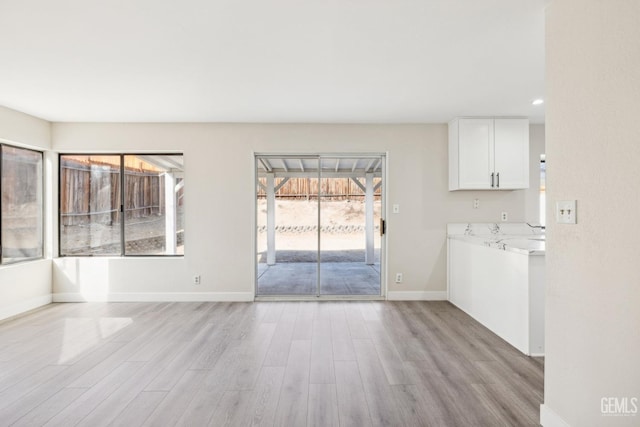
383 213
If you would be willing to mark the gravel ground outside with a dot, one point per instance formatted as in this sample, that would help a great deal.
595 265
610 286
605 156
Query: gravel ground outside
145 236
342 233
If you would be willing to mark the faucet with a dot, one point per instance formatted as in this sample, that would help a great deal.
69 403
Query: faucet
468 230
494 228
534 227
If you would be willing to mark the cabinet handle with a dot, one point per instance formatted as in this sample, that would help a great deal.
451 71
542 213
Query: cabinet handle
492 179
498 179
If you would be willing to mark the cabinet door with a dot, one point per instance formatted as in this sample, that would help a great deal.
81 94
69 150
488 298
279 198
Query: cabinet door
460 274
511 151
475 153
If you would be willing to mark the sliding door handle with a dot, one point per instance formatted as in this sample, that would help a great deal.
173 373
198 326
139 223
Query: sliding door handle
383 227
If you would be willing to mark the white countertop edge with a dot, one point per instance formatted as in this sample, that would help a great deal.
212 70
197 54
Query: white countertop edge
489 241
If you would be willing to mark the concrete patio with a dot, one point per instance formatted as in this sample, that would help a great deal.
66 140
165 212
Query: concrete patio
336 278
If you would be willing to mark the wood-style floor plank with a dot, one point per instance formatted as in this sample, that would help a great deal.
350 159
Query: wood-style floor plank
109 408
265 396
390 358
355 322
341 341
323 406
322 369
176 401
314 363
278 351
139 409
352 403
377 390
95 395
293 400
303 328
13 394
46 389
418 407
49 408
231 409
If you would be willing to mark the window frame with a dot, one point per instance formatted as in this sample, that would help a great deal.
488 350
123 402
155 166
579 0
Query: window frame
123 242
42 205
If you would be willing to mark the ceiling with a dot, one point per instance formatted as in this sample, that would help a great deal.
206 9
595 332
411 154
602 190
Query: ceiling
311 61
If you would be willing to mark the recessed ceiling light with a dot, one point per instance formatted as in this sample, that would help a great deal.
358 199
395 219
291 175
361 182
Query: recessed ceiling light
538 101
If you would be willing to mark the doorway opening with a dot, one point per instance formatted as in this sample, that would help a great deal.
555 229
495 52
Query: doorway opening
319 226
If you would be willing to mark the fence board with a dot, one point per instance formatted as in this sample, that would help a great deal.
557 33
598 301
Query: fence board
89 194
331 188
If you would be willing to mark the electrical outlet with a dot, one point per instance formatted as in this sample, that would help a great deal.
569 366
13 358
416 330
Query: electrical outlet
398 277
476 203
196 279
504 216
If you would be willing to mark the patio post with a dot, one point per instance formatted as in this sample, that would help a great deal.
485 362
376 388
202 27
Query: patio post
170 213
368 203
271 219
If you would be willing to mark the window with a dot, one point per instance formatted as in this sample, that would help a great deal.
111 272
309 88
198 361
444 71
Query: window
127 204
154 215
22 212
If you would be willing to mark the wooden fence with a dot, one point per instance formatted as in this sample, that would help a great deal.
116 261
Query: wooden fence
20 170
90 192
330 188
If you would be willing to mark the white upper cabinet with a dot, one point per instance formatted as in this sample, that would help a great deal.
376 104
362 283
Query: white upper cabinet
488 154
511 153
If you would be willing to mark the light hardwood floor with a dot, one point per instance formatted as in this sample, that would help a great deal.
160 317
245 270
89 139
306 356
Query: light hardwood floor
264 363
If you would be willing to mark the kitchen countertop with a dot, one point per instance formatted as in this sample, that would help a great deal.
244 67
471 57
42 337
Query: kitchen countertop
513 237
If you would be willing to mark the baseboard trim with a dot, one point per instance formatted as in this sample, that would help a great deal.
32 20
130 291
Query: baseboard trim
417 296
24 306
548 418
154 297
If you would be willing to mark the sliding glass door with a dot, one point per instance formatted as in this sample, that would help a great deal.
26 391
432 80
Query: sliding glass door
318 222
287 218
350 206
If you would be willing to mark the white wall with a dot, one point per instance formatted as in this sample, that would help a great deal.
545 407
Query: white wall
536 148
23 130
27 285
593 156
219 197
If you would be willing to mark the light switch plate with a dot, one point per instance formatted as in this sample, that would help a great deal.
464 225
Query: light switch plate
396 208
566 212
